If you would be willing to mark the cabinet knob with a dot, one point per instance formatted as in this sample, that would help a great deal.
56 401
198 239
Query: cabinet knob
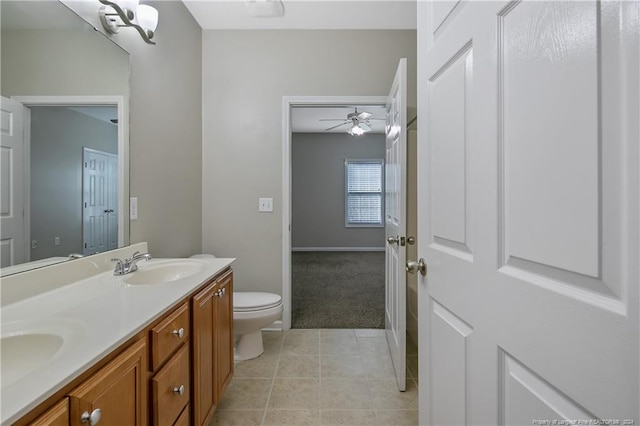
179 332
179 390
223 291
92 418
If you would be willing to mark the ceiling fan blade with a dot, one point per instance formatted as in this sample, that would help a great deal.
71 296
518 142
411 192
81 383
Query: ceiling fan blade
338 125
332 119
364 115
365 126
380 119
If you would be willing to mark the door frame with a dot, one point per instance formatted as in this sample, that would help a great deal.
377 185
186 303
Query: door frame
288 102
123 145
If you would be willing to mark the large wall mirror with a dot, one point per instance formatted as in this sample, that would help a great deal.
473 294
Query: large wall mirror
64 166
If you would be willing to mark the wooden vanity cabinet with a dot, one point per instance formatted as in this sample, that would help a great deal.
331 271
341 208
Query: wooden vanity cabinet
118 391
58 415
212 345
173 372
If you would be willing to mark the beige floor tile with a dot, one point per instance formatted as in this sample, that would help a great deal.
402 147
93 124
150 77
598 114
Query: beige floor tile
347 417
303 332
345 366
272 342
397 417
298 366
262 367
246 394
292 417
344 394
294 394
300 345
237 418
338 346
412 349
337 332
373 346
370 332
385 394
378 366
412 365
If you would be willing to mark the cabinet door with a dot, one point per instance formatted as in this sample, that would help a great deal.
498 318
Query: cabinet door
203 309
118 390
224 335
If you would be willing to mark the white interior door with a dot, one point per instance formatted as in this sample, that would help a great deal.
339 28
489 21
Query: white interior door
112 202
13 248
528 212
395 222
95 201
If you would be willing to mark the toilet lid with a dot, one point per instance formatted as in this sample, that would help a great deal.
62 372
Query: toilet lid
253 301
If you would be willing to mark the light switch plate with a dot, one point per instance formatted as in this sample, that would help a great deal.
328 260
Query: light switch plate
133 208
265 205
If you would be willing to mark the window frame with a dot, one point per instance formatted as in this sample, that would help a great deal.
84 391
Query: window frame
348 224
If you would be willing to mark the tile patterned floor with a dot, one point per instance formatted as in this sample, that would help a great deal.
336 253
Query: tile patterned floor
321 377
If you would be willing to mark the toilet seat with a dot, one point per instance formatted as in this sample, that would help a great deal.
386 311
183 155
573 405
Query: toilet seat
254 301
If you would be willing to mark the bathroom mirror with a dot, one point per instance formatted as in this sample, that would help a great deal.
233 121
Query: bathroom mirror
64 72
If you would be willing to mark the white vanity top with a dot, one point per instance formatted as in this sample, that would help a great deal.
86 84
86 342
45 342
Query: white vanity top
93 316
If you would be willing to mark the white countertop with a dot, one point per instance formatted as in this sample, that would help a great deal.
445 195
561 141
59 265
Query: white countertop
94 316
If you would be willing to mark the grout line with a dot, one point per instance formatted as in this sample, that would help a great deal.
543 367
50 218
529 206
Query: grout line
273 379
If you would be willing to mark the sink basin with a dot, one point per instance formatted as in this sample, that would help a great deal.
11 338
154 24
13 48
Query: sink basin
164 272
26 346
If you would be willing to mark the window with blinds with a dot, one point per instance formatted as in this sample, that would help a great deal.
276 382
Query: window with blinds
364 193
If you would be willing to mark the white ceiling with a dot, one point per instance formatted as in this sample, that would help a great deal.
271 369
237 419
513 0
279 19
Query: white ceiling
307 119
307 14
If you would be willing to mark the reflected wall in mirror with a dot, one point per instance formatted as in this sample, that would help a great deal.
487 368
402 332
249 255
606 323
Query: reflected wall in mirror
70 84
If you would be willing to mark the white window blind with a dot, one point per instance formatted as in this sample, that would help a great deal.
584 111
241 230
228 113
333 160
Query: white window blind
364 196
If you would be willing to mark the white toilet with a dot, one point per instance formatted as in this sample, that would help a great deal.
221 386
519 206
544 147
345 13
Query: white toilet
252 311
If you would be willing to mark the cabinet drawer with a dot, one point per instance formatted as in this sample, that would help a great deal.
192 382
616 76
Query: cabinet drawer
167 336
167 400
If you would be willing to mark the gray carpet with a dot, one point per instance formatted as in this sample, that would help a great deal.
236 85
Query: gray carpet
337 290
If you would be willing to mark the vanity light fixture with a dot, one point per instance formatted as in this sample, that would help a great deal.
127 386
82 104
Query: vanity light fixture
127 13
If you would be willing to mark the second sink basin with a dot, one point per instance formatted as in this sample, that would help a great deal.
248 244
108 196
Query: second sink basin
162 272
26 346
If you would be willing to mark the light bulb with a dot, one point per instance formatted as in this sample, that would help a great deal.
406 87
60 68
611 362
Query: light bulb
147 17
356 130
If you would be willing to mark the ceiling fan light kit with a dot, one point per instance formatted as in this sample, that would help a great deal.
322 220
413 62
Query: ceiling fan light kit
359 121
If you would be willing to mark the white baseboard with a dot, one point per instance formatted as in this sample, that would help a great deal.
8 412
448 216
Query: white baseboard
337 249
276 326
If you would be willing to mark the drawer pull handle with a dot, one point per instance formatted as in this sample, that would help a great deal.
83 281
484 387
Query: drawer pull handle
92 418
179 390
179 332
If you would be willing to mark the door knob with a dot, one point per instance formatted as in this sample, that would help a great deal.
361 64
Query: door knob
393 240
420 265
92 418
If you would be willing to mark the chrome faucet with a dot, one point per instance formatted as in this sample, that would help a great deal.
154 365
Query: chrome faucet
129 265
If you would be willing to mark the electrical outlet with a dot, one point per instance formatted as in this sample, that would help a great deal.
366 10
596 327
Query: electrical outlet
56 241
265 205
133 208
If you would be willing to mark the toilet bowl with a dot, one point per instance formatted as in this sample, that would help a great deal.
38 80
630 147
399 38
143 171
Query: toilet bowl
252 311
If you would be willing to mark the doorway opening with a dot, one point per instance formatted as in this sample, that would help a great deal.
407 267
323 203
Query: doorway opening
95 122
324 252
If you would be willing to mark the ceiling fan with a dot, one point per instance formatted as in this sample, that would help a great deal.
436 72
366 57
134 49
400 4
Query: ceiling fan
359 122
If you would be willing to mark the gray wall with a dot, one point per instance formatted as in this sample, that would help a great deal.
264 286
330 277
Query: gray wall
166 133
245 75
58 135
165 128
318 189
